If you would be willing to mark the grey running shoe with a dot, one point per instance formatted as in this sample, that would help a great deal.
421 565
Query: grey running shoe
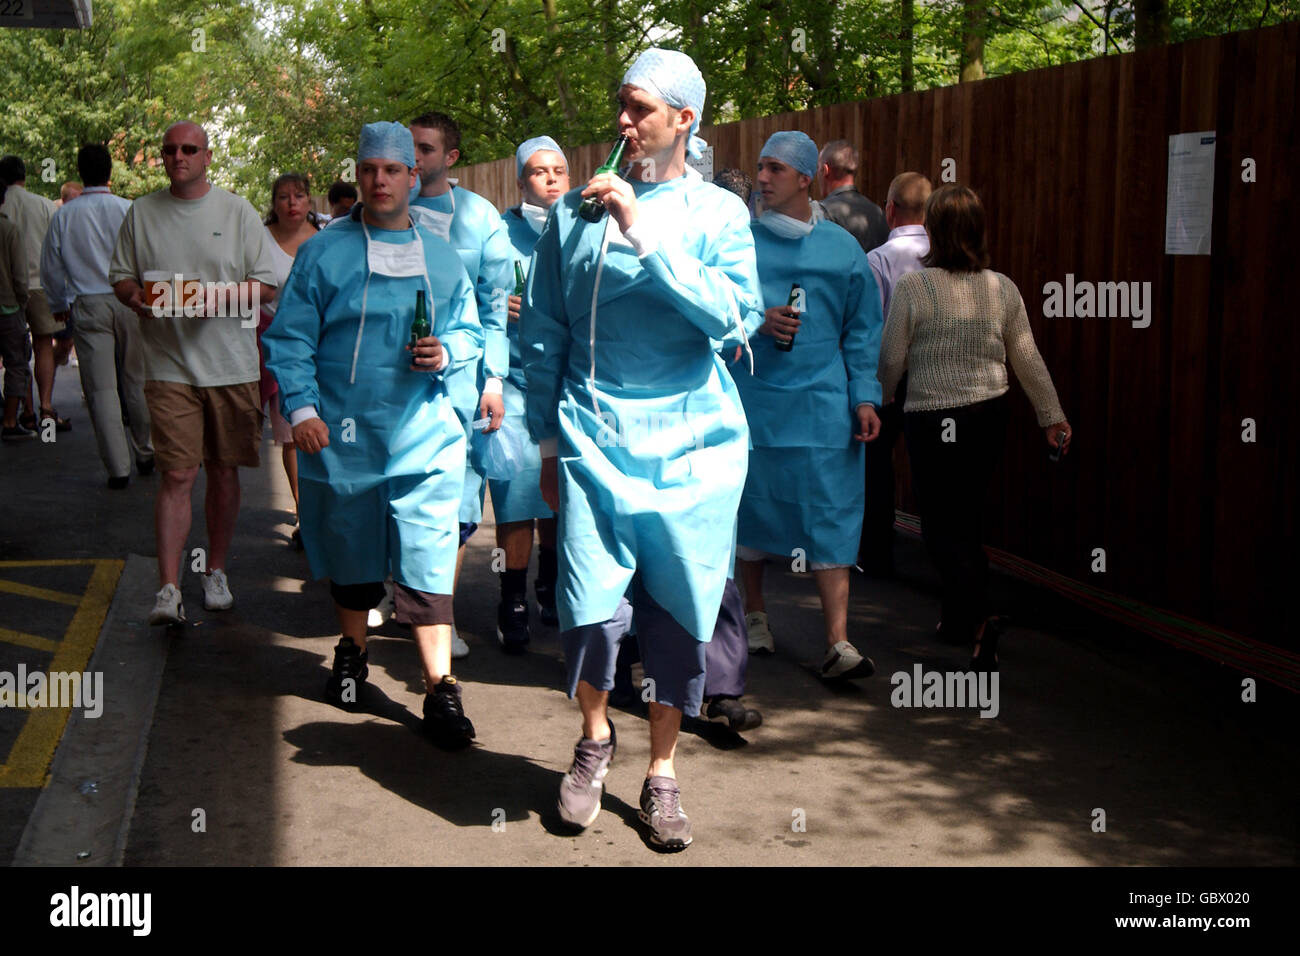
661 810
582 786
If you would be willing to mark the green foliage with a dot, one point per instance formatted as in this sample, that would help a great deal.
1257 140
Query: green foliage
285 84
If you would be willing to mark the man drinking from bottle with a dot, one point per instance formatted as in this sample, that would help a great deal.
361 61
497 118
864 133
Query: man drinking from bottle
643 437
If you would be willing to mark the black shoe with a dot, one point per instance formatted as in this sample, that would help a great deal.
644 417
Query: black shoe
295 540
739 717
117 484
512 625
17 432
343 688
546 604
444 718
144 466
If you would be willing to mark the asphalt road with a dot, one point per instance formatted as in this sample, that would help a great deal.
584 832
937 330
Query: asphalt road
1091 716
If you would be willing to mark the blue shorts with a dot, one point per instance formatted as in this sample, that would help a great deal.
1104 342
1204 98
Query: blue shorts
671 658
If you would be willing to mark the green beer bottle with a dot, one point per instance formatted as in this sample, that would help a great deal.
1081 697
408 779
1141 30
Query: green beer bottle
592 209
519 278
794 297
420 327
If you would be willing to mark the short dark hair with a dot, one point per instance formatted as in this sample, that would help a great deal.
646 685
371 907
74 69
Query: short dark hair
441 121
736 181
340 190
12 170
954 218
94 165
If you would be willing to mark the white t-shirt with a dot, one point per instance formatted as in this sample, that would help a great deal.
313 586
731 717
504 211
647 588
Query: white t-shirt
216 238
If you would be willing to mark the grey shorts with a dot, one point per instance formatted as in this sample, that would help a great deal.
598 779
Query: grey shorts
671 658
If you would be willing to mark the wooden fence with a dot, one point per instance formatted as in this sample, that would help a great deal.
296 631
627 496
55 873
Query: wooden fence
1071 163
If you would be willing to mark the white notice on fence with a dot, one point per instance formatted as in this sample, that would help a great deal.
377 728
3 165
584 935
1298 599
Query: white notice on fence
703 165
1189 207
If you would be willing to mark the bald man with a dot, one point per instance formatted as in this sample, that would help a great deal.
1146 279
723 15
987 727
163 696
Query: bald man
900 254
201 370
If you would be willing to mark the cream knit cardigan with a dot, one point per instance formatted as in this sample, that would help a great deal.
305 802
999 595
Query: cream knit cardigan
954 332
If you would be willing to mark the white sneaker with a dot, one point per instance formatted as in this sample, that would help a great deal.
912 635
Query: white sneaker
216 591
167 607
844 661
760 636
459 648
383 611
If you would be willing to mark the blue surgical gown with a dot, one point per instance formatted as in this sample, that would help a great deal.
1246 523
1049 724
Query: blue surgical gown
383 497
520 497
479 237
805 483
651 484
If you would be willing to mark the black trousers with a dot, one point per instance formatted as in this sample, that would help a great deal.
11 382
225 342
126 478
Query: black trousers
950 479
876 548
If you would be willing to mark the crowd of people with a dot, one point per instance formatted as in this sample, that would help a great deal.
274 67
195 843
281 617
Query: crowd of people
667 383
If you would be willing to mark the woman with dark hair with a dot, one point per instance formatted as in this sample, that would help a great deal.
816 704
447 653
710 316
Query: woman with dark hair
291 222
953 327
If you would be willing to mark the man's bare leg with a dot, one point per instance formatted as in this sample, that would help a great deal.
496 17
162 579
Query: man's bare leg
665 723
221 508
43 349
751 576
352 624
434 641
833 588
595 705
516 539
171 515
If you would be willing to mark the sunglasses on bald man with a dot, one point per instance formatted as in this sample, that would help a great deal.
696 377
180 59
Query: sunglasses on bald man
189 149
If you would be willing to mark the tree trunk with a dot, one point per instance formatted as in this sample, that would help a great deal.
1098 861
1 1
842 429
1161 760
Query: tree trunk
1150 22
906 42
972 40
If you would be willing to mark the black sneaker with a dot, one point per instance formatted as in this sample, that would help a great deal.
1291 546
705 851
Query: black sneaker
512 624
343 688
739 717
117 484
144 466
546 604
17 432
444 718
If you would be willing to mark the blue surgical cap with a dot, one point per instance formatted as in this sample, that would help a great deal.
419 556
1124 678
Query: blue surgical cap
530 146
794 149
386 141
674 78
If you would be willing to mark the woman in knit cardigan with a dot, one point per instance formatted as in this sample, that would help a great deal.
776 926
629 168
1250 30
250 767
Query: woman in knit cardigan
953 327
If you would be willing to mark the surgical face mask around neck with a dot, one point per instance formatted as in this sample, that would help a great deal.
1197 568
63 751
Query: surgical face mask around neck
395 259
535 216
787 227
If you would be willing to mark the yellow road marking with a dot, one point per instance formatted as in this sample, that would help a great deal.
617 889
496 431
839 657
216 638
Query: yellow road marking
29 760
42 594
28 640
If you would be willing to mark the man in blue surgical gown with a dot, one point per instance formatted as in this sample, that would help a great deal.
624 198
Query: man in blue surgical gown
642 433
380 483
810 409
473 227
543 177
